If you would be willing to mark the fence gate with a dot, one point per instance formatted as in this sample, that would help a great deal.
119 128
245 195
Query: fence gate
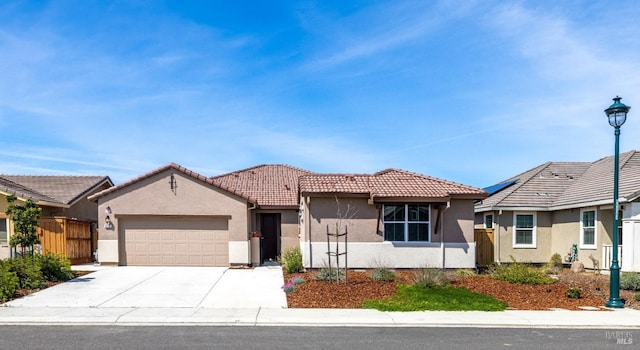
71 238
484 246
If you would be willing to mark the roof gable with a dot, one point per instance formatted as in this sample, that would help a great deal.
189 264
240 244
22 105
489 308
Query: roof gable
62 190
555 185
175 167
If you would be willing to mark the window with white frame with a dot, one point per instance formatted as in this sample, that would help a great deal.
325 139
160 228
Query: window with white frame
406 222
4 233
488 221
524 230
588 229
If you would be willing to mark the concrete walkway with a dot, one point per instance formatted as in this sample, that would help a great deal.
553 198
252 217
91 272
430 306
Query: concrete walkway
254 316
252 297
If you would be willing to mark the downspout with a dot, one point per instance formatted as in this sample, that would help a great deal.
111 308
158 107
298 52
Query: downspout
307 224
252 224
497 235
442 232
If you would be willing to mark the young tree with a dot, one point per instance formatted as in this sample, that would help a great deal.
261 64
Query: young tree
25 220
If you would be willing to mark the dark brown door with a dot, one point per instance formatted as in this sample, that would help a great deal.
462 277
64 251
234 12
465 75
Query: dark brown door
270 224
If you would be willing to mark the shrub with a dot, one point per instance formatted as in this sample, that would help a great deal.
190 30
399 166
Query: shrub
27 269
520 273
554 265
429 277
290 286
297 280
638 296
574 293
326 274
383 274
292 260
55 267
630 281
8 281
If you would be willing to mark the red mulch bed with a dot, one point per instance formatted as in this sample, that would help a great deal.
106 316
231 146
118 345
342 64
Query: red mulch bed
360 287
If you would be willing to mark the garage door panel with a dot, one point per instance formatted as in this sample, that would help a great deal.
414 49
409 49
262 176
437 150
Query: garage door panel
175 241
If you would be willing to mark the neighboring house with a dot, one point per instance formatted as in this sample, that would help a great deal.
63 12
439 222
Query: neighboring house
68 218
394 218
549 208
173 216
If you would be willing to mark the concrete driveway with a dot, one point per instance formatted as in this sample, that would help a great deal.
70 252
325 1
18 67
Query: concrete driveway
166 287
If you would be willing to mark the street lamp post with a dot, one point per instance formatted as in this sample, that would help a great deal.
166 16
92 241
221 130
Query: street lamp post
617 114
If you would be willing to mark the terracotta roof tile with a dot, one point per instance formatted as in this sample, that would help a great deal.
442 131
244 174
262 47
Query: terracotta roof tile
387 184
274 185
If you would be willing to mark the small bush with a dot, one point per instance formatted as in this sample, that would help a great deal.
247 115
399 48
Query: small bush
520 273
383 275
630 281
554 265
27 269
574 293
291 285
326 274
297 280
292 260
429 277
8 281
638 296
55 267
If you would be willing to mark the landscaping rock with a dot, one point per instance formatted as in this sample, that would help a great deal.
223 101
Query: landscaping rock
577 267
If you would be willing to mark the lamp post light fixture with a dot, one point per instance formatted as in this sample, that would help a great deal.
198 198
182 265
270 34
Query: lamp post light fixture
617 114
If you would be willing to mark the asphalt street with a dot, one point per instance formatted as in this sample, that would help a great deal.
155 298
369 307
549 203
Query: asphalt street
282 338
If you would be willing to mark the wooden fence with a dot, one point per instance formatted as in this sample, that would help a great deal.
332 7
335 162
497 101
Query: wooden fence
484 246
71 238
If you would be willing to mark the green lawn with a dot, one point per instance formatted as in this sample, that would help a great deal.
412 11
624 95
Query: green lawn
437 298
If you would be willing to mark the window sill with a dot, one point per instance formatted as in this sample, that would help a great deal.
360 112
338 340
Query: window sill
524 247
588 247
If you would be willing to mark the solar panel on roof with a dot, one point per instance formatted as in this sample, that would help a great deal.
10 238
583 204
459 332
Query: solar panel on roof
499 187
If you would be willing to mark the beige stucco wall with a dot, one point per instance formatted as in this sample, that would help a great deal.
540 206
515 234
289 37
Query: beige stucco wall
366 244
504 243
457 222
153 196
358 216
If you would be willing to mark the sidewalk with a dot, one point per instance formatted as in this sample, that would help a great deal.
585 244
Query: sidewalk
624 318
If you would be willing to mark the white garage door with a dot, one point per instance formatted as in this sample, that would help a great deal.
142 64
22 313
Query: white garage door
175 241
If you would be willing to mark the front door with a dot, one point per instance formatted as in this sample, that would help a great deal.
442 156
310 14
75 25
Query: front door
270 225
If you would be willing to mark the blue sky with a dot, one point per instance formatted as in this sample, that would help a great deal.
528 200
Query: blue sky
469 91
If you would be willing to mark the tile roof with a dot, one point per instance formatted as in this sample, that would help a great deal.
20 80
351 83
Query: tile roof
64 190
389 183
180 169
556 185
274 185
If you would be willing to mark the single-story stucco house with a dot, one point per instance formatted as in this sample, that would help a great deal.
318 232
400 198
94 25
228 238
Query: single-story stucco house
69 220
549 208
174 216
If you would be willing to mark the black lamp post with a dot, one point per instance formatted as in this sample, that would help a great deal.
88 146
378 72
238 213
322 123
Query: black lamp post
617 114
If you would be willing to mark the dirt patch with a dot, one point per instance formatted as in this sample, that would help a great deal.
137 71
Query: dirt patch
360 287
